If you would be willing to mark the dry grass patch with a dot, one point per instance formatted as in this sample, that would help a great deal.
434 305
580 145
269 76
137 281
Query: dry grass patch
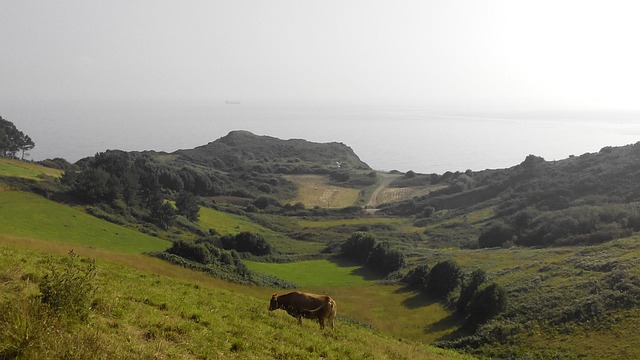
315 190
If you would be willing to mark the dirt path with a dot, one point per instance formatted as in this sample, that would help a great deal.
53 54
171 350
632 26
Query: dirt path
386 180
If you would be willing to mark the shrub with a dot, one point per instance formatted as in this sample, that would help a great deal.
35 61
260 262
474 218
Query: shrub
469 289
358 246
496 235
385 259
190 251
68 289
247 242
262 202
443 278
485 304
418 277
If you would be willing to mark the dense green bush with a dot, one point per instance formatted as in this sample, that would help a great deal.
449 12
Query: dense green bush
444 277
468 290
486 303
385 259
247 242
418 277
262 202
358 246
363 247
496 235
191 251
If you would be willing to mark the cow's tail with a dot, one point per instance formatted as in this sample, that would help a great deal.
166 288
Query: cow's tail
328 302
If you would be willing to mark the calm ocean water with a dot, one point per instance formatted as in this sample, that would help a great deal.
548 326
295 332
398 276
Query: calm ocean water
386 137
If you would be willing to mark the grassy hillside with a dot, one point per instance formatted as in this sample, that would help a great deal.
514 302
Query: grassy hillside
561 239
27 215
27 170
226 223
139 315
242 148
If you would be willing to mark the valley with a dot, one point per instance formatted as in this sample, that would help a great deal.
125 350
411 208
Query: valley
565 294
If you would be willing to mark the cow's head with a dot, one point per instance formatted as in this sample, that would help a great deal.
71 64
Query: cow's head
273 305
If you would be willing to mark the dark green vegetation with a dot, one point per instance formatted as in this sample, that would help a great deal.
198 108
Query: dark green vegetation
538 260
378 256
244 152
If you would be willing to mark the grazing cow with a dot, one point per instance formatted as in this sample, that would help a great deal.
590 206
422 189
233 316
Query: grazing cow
310 306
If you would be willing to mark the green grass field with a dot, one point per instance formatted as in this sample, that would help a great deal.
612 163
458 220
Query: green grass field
31 216
390 309
316 273
24 169
226 223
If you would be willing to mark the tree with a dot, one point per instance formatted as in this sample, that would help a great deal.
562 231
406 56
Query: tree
13 140
187 206
90 185
25 144
163 213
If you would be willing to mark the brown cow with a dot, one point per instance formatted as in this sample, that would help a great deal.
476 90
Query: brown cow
310 306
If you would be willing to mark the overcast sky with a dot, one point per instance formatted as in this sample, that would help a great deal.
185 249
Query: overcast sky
567 54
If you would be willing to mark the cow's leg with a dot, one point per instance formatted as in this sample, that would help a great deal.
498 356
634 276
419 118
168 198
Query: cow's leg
321 321
299 320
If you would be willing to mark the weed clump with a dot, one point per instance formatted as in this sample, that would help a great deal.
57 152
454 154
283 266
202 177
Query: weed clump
42 324
67 288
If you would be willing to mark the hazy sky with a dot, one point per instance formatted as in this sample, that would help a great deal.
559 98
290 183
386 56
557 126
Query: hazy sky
572 54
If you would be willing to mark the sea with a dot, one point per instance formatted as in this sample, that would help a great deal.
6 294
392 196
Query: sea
425 139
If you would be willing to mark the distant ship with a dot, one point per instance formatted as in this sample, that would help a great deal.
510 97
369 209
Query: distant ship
232 102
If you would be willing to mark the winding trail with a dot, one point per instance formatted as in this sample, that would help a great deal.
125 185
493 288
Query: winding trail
386 180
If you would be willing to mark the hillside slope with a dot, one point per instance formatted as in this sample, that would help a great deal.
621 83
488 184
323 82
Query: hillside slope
25 214
142 315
